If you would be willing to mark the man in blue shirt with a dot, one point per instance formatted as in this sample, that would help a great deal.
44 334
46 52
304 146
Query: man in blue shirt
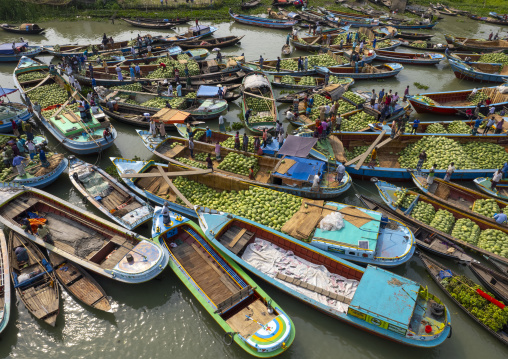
381 95
261 60
416 123
500 218
476 126
208 134
505 170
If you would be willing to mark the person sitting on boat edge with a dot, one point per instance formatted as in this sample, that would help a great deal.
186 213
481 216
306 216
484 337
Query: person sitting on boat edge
44 233
166 218
341 171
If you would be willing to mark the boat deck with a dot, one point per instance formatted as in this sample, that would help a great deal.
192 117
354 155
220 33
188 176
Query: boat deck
71 126
391 241
246 328
236 238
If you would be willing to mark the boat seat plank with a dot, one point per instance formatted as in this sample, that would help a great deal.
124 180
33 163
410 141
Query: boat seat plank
236 244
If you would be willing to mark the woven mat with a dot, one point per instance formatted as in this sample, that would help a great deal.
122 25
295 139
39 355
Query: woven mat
71 118
284 167
352 214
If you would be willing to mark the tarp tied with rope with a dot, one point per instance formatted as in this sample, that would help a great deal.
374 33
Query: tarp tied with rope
297 146
255 81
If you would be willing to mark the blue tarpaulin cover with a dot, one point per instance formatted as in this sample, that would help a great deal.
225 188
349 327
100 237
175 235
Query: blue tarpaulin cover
207 91
5 92
303 169
6 49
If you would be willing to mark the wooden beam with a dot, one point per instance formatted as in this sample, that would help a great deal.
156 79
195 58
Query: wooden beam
168 174
39 84
350 162
173 187
369 150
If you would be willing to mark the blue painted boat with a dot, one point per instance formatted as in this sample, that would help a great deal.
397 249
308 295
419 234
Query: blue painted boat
113 251
45 179
382 71
409 58
262 22
12 111
394 313
341 20
490 73
476 45
484 185
5 284
108 195
85 139
193 33
227 293
8 54
128 59
296 179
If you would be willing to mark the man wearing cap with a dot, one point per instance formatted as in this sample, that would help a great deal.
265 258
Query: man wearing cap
208 134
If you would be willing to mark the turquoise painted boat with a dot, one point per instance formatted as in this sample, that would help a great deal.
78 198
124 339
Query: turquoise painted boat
484 185
5 284
245 312
396 312
111 250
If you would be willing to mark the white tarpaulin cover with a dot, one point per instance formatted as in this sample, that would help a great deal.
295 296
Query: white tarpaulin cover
271 259
255 81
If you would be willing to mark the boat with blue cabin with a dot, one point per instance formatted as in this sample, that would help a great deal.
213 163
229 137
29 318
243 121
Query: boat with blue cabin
336 287
89 241
246 313
65 123
13 52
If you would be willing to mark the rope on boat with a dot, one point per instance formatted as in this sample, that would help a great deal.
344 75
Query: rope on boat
232 334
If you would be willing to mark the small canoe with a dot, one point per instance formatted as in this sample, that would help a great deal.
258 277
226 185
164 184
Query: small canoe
34 280
108 195
489 20
476 45
286 49
150 25
176 21
479 72
218 42
250 4
135 116
258 244
409 58
262 22
365 72
409 26
425 239
414 36
455 195
5 284
193 33
23 29
79 283
435 270
91 242
227 293
256 87
387 192
8 54
495 282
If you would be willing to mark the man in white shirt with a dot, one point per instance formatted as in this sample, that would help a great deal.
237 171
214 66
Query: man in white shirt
341 171
449 171
315 182
498 175
290 116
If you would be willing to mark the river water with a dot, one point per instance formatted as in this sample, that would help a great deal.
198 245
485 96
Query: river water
161 319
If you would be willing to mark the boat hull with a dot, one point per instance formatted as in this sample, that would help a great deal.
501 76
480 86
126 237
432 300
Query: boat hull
47 179
16 57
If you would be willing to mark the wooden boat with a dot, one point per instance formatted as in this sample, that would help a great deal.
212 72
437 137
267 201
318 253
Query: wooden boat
65 124
79 283
343 20
409 58
12 111
34 280
345 14
489 20
286 49
176 21
500 193
262 22
414 35
108 195
495 282
257 86
87 240
272 171
218 227
479 72
345 82
24 29
314 17
425 239
233 92
227 293
8 54
219 42
464 56
389 167
320 43
193 33
501 266
428 46
150 25
454 102
250 4
434 268
74 50
277 81
362 72
454 195
476 45
135 116
408 26
387 192
5 284
200 109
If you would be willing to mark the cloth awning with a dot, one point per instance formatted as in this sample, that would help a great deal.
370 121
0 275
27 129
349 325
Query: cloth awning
6 49
297 146
5 91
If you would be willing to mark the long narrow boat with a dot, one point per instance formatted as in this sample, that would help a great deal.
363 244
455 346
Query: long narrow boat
388 149
364 72
244 311
409 26
496 282
489 20
79 283
5 284
479 72
385 313
421 45
476 44
262 22
455 102
501 266
218 42
89 241
435 268
34 280
176 21
345 82
457 196
65 124
232 92
9 54
414 35
500 192
425 239
464 56
193 33
295 82
257 96
73 50
344 14
409 58
135 116
250 4
24 29
108 195
290 175
388 191
12 111
149 25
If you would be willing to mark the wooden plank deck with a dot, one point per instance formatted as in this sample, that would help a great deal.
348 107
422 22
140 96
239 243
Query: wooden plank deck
236 244
257 311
